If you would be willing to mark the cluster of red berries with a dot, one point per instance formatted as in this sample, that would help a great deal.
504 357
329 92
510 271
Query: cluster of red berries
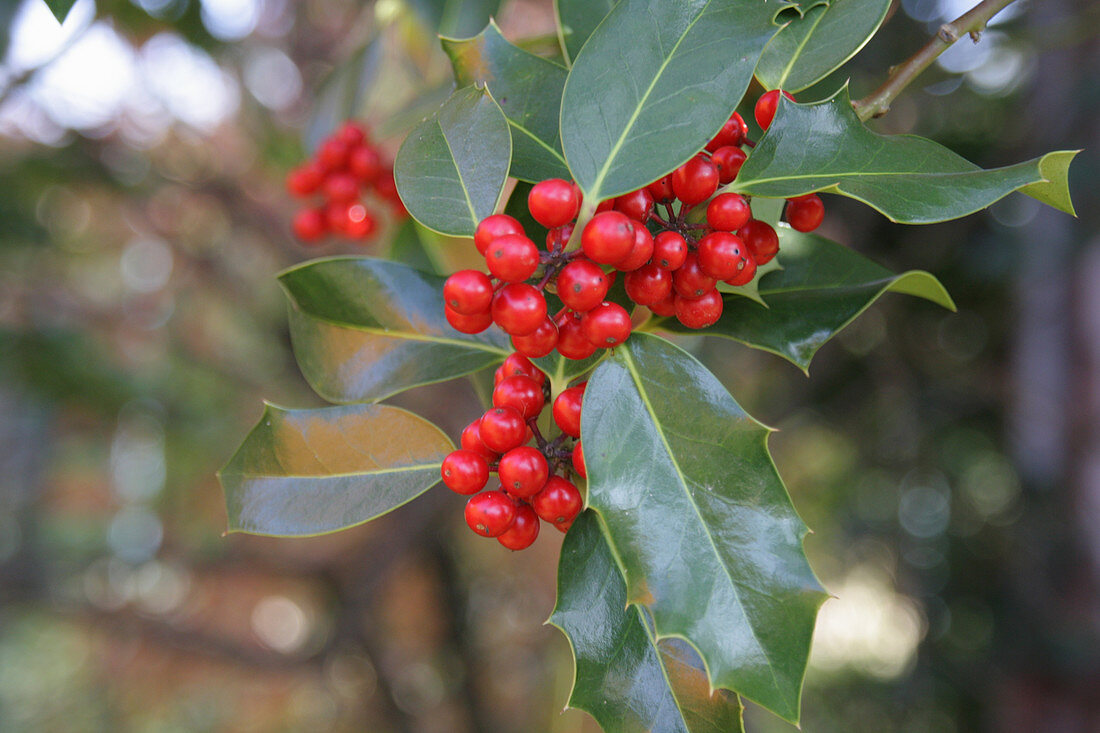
345 166
500 442
671 262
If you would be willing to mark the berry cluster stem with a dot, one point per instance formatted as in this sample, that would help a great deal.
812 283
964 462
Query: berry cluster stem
971 23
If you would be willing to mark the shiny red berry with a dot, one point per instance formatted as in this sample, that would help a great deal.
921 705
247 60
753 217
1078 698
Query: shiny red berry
746 269
309 225
661 190
669 250
490 514
553 202
728 212
473 323
732 133
764 112
519 309
578 460
572 343
690 281
666 307
539 342
502 429
471 441
720 254
606 325
608 237
495 226
359 223
365 163
648 284
524 530
468 292
333 154
640 253
699 312
567 411
805 213
728 160
512 257
761 239
638 205
559 501
695 181
465 471
518 364
304 180
520 392
523 471
582 285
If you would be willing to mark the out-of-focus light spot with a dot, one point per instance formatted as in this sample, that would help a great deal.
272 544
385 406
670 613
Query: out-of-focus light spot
146 264
418 688
351 676
230 20
945 87
867 627
187 82
272 78
160 588
966 55
280 623
1014 210
951 9
135 534
963 335
1001 73
922 10
387 11
137 458
36 36
924 509
990 484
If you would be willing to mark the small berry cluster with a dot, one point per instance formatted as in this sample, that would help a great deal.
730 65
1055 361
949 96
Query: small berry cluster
345 166
499 442
671 262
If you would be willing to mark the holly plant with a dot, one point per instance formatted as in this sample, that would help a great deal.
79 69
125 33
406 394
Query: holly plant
616 200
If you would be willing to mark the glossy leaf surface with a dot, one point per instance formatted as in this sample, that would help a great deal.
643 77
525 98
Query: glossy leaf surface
817 43
624 679
308 472
576 21
699 520
653 83
824 147
822 287
365 329
527 88
451 169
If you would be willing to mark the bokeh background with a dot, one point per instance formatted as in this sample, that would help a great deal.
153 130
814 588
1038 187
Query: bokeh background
949 464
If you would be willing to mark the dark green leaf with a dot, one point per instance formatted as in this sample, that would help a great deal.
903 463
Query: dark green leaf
309 472
528 90
456 18
814 45
822 287
59 8
653 83
907 178
451 169
365 329
625 680
576 21
699 520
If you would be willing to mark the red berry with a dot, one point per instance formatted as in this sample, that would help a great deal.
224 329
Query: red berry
805 213
473 323
732 133
690 281
468 292
520 392
512 257
519 309
638 205
523 471
728 161
524 529
502 429
648 284
304 180
495 226
351 133
358 223
578 460
699 312
669 250
606 325
553 202
539 342
695 181
761 240
666 307
333 153
490 514
582 285
605 205
341 187
558 236
764 112
640 253
567 411
518 364
465 471
746 271
572 343
728 212
661 190
471 441
365 163
564 526
559 501
309 225
608 237
720 255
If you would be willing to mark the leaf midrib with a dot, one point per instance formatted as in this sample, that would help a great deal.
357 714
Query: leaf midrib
406 335
798 50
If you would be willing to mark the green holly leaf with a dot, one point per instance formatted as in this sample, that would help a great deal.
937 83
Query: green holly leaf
310 472
822 287
527 88
825 147
752 289
455 18
451 169
624 679
364 329
817 43
653 83
59 8
699 520
576 21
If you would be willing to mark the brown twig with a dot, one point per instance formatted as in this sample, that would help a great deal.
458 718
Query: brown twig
971 23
